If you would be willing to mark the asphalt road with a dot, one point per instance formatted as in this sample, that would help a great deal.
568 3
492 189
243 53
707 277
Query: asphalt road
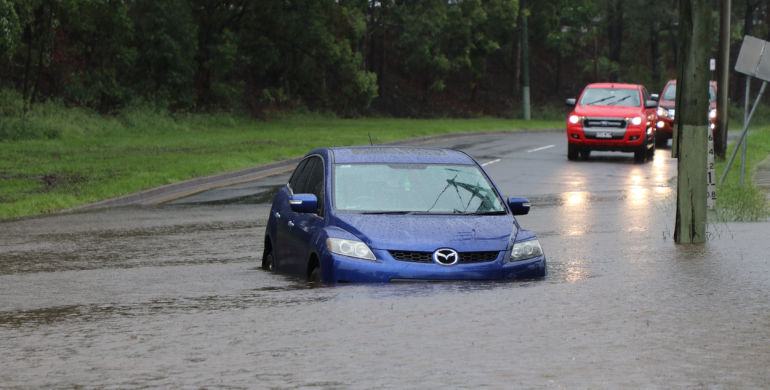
171 295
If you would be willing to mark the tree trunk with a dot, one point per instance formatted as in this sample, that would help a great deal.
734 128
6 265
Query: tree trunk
28 65
596 55
615 33
43 40
691 128
559 72
655 54
516 66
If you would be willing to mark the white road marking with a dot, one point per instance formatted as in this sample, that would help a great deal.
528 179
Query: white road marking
490 162
538 149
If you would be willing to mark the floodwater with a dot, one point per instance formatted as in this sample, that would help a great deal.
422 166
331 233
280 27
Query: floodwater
172 296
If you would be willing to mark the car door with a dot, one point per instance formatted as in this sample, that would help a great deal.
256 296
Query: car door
282 212
299 227
306 224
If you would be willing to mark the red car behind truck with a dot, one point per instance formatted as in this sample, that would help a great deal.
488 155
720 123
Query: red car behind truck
667 110
612 117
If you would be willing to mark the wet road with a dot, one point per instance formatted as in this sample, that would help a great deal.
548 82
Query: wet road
171 295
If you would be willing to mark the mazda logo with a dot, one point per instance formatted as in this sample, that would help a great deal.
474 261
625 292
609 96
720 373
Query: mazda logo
446 256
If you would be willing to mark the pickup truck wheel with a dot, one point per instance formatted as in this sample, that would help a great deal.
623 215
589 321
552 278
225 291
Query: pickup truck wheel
661 140
572 152
640 154
651 153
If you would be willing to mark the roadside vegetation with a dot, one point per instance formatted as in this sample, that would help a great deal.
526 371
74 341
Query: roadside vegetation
58 158
747 203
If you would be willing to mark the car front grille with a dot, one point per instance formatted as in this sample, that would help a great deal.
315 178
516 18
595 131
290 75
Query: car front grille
427 257
605 123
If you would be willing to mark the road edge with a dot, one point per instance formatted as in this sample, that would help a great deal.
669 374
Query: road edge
180 189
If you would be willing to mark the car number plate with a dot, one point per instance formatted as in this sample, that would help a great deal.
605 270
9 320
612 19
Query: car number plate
603 134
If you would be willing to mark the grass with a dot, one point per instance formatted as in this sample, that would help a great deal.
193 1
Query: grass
93 157
745 203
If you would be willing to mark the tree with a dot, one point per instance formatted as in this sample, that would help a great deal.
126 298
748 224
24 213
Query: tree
166 44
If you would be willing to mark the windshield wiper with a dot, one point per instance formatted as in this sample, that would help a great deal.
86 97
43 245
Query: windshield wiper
388 212
600 100
614 103
501 212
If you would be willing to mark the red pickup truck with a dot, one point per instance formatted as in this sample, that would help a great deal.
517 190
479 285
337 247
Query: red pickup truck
612 117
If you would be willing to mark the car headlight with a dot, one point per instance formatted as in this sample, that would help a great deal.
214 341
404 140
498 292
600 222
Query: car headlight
713 114
662 111
574 119
661 124
526 250
636 121
350 248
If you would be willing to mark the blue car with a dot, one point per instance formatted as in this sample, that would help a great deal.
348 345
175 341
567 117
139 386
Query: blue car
397 214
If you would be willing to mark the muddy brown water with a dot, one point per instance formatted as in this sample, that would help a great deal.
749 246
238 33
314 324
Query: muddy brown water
172 296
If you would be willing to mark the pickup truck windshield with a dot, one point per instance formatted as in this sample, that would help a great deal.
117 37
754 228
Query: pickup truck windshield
611 97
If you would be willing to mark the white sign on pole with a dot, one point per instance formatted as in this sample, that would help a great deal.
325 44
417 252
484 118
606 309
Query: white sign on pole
711 183
713 65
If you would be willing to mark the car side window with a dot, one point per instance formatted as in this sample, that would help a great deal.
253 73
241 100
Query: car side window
303 178
645 95
297 173
315 184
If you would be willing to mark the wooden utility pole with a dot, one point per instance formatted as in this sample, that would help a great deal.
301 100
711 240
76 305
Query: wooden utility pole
723 68
525 60
690 140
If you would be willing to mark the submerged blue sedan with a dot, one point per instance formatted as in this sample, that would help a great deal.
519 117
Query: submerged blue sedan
397 214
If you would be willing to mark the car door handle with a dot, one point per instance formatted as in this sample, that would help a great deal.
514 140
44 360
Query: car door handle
277 215
291 224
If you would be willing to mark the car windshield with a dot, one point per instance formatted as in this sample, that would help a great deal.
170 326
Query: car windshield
669 93
610 97
414 189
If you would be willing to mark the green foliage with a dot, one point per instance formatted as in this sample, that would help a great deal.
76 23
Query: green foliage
165 40
746 203
100 157
10 31
104 31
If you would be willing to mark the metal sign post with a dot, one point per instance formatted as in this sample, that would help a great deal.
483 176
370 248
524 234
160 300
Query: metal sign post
753 61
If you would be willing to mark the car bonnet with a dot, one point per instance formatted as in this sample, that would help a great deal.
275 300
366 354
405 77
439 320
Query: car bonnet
464 233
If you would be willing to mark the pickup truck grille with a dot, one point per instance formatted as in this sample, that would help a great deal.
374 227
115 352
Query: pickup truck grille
605 123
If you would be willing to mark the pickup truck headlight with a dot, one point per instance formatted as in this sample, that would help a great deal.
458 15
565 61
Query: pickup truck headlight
662 111
350 248
636 121
526 250
713 114
574 119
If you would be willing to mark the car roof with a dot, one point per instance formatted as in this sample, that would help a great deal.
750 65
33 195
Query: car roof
613 85
712 83
399 154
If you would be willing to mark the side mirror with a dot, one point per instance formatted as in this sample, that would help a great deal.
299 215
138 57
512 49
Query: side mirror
655 97
650 104
303 203
519 205
570 102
